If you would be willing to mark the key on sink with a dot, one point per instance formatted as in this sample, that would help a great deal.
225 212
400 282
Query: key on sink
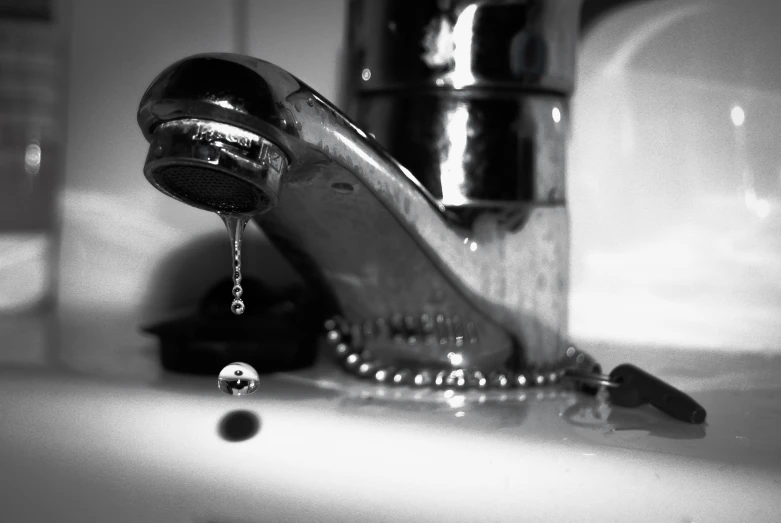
634 387
629 386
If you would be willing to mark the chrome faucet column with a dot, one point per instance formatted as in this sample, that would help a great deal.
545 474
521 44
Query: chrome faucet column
470 96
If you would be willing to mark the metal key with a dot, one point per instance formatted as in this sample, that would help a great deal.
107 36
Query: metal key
629 386
634 387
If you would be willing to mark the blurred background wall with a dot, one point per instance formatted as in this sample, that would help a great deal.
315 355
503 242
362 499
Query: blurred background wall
675 176
674 170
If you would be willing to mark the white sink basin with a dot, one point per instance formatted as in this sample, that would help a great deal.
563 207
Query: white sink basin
155 447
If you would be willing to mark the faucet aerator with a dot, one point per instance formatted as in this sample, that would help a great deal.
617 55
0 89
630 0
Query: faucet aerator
215 166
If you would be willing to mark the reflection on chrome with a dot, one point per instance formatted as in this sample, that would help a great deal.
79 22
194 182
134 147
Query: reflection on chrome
556 114
462 53
223 103
447 45
453 175
438 43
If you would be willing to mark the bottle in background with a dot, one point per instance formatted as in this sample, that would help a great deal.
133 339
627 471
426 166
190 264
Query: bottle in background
32 110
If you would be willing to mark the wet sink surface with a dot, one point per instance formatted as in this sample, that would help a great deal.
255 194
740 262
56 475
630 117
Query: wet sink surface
81 445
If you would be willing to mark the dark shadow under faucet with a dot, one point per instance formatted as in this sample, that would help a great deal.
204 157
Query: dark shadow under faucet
463 265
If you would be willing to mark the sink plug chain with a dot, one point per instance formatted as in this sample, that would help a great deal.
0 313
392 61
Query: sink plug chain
627 385
352 357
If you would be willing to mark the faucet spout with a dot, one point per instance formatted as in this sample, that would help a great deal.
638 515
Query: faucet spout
416 281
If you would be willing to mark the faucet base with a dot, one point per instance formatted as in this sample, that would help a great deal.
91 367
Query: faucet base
215 166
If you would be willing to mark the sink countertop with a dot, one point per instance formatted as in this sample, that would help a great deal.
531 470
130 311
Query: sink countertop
93 430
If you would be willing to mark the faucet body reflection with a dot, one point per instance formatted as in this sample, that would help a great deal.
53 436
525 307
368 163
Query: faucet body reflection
457 257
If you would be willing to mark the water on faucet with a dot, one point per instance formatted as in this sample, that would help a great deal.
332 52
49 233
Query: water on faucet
237 379
235 225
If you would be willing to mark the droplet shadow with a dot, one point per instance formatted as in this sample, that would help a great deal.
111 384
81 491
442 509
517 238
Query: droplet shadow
239 425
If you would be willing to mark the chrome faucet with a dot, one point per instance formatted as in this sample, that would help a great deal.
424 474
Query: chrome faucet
452 254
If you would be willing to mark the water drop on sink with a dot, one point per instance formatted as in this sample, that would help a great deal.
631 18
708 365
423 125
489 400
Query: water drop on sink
238 379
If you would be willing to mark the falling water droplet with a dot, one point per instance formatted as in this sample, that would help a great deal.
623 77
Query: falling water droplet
235 225
238 379
237 307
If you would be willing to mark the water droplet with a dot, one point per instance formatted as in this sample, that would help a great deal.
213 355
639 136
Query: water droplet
310 102
235 226
238 379
237 307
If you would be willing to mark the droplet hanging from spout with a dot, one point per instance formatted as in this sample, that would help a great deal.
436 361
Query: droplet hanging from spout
235 225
